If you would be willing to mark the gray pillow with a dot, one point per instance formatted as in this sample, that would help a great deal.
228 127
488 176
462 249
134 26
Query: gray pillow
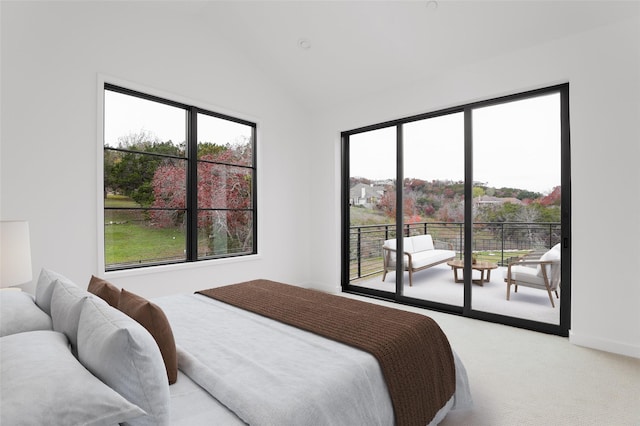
19 313
66 304
44 288
43 383
121 353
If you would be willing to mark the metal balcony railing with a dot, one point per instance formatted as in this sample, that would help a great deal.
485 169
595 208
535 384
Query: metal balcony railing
495 241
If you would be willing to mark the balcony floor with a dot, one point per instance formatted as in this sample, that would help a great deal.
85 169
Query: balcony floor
437 284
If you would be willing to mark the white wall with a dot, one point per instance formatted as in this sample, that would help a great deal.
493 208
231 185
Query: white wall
603 69
52 55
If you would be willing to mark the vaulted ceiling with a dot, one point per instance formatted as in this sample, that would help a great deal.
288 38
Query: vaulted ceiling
328 52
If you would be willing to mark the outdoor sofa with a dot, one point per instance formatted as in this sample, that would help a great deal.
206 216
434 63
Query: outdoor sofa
420 253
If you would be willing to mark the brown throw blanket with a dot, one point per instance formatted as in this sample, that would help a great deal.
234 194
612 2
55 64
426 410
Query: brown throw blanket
413 352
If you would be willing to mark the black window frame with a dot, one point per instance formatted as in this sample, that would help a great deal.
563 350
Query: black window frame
466 310
191 158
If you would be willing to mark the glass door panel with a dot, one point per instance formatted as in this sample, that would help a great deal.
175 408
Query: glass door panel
516 208
372 189
433 206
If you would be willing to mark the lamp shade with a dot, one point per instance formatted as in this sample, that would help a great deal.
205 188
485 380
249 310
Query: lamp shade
15 253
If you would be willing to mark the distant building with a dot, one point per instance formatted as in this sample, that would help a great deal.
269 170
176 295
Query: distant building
365 195
487 200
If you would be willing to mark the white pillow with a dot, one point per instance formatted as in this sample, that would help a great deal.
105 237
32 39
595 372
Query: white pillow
19 313
44 288
66 304
122 354
43 383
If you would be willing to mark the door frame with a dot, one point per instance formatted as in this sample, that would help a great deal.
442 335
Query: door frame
466 310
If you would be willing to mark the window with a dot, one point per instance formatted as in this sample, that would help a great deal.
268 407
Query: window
179 182
489 182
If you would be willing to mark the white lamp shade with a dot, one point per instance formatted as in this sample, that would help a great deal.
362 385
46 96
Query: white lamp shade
15 253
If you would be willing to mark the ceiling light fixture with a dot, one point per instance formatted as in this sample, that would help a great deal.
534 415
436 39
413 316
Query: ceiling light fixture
304 43
432 5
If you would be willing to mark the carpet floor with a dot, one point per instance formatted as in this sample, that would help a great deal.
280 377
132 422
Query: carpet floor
520 377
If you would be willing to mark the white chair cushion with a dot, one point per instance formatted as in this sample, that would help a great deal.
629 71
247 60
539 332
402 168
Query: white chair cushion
525 275
552 254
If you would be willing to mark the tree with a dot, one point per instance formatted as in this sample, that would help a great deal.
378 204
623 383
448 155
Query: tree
130 172
554 198
224 196
387 203
478 191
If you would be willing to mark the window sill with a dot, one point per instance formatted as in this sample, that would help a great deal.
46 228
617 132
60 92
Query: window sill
150 270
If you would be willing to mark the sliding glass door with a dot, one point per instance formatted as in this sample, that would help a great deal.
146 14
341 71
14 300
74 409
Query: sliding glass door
483 210
517 206
433 204
371 207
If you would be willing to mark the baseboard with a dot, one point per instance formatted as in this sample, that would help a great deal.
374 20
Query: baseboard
332 289
604 345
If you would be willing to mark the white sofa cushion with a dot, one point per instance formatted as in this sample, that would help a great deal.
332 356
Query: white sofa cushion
408 248
429 257
422 251
421 243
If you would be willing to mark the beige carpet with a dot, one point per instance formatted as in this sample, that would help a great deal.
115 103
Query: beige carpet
520 377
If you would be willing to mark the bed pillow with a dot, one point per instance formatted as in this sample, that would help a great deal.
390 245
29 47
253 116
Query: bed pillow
43 383
122 354
66 304
44 288
153 319
19 313
104 290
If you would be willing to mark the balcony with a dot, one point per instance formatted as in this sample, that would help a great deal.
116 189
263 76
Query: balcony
493 242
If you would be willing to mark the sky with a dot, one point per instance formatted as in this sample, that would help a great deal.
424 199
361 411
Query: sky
126 114
515 144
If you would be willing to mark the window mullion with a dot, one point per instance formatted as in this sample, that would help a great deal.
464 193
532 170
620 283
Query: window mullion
192 184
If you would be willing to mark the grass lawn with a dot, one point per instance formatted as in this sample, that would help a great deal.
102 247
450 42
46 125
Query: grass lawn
129 238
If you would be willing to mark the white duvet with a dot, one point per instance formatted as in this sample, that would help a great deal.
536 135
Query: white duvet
268 373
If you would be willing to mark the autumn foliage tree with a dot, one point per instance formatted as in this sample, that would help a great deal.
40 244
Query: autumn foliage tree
129 171
554 198
224 187
387 205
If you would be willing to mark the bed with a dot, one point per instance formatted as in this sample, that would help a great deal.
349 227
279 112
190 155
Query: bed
105 356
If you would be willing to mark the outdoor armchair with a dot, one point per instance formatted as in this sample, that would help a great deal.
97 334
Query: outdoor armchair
542 273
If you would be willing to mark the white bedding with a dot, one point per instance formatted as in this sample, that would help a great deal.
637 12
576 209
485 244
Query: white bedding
191 405
268 373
